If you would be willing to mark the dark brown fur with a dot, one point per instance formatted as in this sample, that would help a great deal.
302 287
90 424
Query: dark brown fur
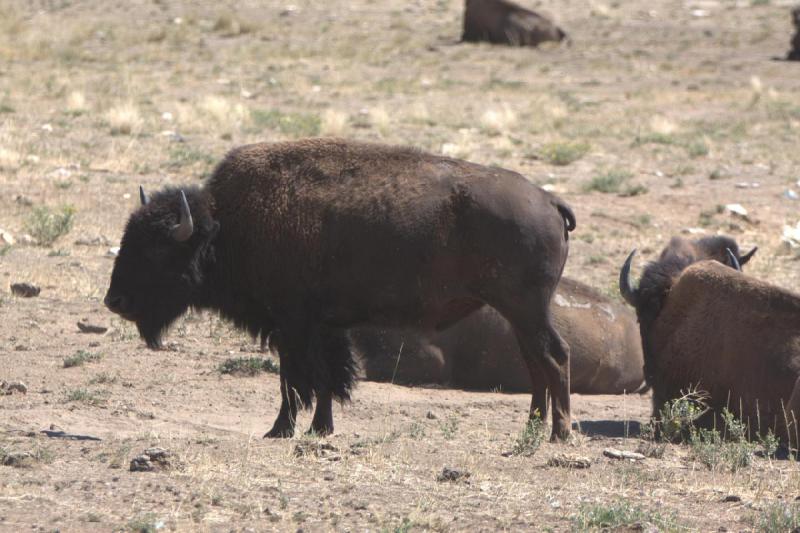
304 240
503 22
480 352
733 336
705 325
794 53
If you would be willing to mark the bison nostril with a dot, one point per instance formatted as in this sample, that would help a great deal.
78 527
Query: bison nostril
115 303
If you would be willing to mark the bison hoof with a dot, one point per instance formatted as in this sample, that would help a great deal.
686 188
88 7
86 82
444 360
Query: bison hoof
279 433
322 431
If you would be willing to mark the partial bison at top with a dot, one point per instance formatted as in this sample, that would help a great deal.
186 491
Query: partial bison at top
794 51
302 240
705 324
503 22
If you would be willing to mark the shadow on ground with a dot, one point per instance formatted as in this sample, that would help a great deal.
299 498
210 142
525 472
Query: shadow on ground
608 428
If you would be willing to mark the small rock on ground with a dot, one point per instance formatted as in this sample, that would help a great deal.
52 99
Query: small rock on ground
10 387
152 459
18 459
565 461
452 474
85 327
318 449
25 290
622 454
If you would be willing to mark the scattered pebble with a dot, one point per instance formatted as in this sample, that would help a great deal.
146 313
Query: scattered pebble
613 453
317 449
736 209
790 194
451 474
18 459
748 185
565 461
10 387
113 251
152 459
791 237
25 290
6 237
430 415
85 327
93 241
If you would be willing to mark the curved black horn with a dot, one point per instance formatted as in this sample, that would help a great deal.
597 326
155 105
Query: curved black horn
732 258
625 288
143 196
749 255
182 231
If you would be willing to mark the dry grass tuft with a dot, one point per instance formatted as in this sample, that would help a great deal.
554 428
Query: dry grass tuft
499 120
124 119
334 123
76 102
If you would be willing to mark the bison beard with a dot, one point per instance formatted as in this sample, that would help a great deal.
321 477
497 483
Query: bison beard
300 241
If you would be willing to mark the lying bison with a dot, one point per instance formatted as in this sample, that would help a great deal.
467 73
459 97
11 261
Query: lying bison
503 22
480 352
708 325
306 239
794 53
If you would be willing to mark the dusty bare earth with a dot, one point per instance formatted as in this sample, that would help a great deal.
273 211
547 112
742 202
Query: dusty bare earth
677 105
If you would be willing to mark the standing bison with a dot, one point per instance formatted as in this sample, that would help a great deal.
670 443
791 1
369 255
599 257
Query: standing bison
480 352
794 52
503 22
708 325
306 239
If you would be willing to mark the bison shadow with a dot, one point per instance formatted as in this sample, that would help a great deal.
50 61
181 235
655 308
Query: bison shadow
608 428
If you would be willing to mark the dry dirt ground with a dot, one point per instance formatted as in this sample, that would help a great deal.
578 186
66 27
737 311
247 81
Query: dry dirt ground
659 114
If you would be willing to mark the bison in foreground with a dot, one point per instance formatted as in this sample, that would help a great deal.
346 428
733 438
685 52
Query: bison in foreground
503 22
707 325
306 239
480 352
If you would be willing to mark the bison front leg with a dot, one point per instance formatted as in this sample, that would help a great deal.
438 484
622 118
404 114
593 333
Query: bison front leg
283 427
294 391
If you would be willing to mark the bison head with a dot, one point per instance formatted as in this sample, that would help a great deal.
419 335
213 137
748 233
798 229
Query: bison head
165 252
679 254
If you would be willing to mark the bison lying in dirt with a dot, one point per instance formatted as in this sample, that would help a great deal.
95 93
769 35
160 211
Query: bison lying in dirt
733 336
307 239
794 53
480 352
503 22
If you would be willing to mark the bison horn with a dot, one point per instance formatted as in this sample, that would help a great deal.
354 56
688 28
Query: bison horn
734 262
143 196
625 288
749 255
182 231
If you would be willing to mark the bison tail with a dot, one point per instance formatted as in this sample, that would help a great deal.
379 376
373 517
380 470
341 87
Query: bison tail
566 212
